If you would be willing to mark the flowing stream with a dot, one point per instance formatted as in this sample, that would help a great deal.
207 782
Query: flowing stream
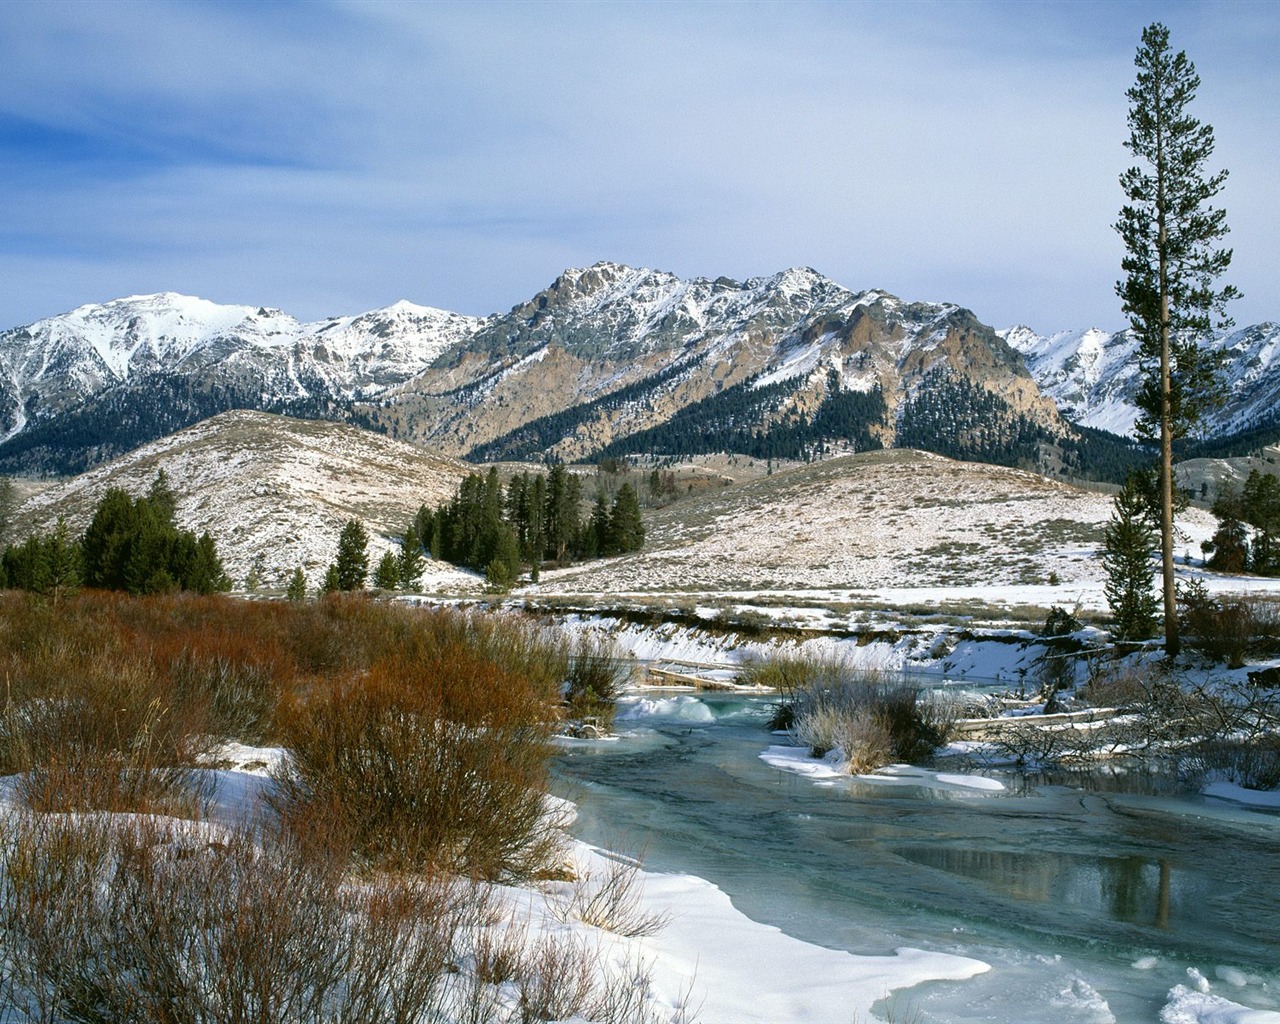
1091 897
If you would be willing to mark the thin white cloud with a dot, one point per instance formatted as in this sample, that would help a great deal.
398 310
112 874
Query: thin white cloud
333 158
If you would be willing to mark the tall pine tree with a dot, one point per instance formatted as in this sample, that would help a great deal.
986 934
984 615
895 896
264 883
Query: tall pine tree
1171 264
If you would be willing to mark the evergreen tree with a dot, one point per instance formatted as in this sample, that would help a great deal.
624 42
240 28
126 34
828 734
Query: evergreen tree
1128 548
26 566
257 571
352 563
149 564
62 558
410 564
1171 265
563 516
625 524
162 499
424 525
536 532
503 569
297 588
331 584
106 540
598 537
387 575
1231 539
203 573
1260 507
133 545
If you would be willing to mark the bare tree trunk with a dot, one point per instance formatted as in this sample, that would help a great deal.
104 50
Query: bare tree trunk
1171 641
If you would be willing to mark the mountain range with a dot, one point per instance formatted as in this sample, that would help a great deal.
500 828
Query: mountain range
1092 377
606 361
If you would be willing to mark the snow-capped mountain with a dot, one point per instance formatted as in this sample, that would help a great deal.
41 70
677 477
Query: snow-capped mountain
603 354
1093 375
135 355
609 351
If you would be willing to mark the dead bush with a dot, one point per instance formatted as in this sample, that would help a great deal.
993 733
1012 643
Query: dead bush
1252 762
611 901
103 737
436 756
873 717
1223 629
147 921
594 683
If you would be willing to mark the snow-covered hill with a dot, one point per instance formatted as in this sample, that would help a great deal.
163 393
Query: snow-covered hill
1092 375
274 491
906 521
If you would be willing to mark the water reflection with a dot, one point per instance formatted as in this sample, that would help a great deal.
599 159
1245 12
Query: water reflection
1132 889
1120 862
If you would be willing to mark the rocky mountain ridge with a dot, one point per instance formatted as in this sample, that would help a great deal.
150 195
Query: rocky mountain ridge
1093 375
611 351
607 359
107 377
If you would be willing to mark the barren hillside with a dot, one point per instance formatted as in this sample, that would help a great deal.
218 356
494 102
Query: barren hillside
892 519
273 490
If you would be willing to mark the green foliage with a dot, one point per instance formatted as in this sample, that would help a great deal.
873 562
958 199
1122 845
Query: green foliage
503 568
1170 233
626 528
352 564
331 584
410 563
1093 454
134 545
1260 508
1230 540
953 416
1128 547
297 588
1171 264
737 420
387 575
537 518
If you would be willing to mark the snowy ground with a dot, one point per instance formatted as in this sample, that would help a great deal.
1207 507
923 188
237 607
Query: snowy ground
901 521
709 963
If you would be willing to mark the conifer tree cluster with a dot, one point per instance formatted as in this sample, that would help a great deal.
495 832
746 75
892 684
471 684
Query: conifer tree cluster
955 417
1237 548
740 419
131 544
350 568
536 518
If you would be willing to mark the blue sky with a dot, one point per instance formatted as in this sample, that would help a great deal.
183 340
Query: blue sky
330 158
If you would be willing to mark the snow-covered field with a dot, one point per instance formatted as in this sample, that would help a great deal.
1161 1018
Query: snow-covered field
896 525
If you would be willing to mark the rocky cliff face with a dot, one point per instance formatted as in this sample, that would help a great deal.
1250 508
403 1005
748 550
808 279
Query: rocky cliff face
609 351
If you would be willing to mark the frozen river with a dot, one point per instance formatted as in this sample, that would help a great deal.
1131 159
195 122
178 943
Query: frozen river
1091 899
